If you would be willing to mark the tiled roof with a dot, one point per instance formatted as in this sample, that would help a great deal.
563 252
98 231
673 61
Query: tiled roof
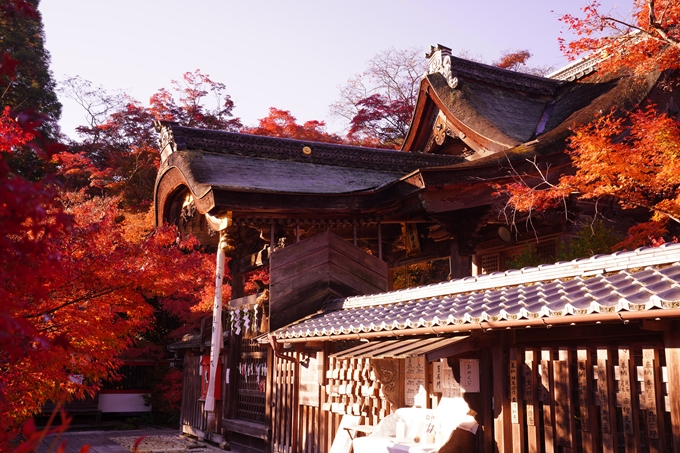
645 281
224 143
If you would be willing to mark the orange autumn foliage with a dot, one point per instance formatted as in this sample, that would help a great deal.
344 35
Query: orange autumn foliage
632 156
97 304
281 123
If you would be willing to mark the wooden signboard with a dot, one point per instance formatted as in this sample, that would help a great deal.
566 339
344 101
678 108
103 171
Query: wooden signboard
514 392
309 381
415 379
469 375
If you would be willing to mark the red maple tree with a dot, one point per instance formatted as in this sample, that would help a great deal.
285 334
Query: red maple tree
281 123
632 156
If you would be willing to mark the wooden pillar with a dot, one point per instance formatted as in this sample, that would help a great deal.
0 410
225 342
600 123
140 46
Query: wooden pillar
380 251
270 392
476 264
671 340
486 364
501 403
459 265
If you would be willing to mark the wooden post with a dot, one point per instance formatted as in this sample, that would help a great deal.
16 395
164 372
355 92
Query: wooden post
589 426
486 382
270 399
531 400
501 404
547 398
564 411
671 340
653 403
605 386
380 254
629 400
516 406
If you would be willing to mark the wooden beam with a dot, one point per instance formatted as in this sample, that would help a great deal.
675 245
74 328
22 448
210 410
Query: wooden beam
662 325
672 347
476 341
603 335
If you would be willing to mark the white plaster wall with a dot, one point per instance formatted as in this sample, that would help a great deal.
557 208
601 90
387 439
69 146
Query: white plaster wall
122 402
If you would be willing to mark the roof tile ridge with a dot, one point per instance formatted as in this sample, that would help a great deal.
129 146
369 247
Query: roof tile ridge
503 77
320 151
668 253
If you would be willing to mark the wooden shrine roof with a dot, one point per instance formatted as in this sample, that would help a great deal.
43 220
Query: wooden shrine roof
644 283
233 171
492 109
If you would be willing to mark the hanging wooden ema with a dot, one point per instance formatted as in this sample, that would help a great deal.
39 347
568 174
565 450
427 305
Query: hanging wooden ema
469 375
414 388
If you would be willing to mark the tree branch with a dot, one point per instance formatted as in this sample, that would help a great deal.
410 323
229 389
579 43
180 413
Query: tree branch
79 299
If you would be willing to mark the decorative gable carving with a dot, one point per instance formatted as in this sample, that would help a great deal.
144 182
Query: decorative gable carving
440 62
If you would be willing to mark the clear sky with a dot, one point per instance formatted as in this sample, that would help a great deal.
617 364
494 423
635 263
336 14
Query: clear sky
288 54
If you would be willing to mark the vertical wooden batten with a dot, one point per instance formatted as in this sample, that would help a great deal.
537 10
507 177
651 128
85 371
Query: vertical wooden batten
547 391
654 412
672 345
531 400
605 386
630 400
564 413
587 408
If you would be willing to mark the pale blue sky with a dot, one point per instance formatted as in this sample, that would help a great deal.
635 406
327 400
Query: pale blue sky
288 54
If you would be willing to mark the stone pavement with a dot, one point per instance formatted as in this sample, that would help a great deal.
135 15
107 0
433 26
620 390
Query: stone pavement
100 441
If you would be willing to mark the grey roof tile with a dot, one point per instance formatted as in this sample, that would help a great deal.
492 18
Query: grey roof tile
650 289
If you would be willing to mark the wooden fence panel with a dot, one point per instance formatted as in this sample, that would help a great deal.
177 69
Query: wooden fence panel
605 399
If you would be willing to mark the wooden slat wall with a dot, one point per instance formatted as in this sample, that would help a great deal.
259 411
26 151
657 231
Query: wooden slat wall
621 398
192 414
192 409
347 386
